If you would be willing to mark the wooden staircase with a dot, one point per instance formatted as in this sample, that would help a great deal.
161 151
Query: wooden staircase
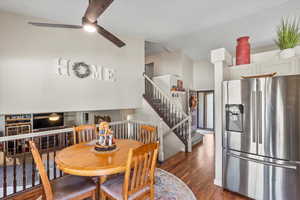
170 112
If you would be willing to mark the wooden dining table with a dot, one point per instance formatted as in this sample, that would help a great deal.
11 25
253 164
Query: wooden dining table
82 160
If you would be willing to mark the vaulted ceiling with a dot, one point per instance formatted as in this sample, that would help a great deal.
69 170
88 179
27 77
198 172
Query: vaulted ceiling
194 26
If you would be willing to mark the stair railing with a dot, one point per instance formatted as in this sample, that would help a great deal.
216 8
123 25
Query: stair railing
151 86
170 111
18 173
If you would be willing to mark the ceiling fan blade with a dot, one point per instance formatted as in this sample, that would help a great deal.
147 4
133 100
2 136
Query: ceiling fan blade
110 36
96 8
55 25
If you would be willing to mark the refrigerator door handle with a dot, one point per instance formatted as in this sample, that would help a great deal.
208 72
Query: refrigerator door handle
253 116
259 118
263 162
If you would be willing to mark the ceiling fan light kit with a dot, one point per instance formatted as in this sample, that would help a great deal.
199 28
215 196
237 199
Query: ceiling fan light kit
89 21
89 26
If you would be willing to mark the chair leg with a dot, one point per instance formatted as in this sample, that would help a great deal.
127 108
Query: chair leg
94 195
152 193
103 196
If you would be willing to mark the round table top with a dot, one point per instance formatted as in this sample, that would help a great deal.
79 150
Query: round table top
82 160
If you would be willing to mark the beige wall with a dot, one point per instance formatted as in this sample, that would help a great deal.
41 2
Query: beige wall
166 63
203 75
175 63
187 72
28 80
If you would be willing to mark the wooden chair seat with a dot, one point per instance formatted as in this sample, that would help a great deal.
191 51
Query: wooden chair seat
114 188
72 187
65 188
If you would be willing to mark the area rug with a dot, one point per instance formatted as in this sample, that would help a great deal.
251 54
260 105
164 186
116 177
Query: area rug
167 185
170 187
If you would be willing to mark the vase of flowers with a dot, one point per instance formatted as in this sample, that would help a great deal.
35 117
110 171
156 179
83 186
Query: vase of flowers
288 37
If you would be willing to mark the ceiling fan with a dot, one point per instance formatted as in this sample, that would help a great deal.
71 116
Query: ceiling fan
89 21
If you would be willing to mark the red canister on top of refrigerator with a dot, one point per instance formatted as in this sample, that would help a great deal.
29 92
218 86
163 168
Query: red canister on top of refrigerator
243 51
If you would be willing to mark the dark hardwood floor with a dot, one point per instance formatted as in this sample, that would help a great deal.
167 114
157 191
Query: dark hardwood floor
196 169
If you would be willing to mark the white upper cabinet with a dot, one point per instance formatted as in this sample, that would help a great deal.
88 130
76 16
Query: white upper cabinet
282 67
236 72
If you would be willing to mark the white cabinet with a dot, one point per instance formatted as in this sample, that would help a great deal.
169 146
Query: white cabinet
235 72
282 67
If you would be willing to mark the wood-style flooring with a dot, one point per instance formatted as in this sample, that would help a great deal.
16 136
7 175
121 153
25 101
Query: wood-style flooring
196 169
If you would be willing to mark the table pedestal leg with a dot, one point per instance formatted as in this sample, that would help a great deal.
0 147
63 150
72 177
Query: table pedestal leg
101 180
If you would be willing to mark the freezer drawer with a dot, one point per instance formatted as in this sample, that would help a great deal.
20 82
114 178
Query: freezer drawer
261 180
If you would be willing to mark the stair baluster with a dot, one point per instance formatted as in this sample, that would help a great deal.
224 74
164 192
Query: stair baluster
170 111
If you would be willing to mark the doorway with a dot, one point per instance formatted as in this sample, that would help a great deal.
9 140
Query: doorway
205 110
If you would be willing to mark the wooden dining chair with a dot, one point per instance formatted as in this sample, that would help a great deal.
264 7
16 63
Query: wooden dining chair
138 180
65 188
148 134
84 133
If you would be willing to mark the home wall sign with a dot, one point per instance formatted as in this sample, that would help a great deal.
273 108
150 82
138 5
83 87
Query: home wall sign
82 70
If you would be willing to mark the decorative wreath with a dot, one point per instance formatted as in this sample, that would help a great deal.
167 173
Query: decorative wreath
193 102
81 69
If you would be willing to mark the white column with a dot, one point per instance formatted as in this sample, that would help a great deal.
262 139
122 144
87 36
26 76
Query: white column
161 155
220 58
190 142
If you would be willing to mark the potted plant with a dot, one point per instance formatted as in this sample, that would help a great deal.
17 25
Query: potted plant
288 37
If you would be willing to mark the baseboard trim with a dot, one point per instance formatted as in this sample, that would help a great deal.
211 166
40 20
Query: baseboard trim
218 182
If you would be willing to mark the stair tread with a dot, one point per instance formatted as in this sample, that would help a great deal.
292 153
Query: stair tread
168 117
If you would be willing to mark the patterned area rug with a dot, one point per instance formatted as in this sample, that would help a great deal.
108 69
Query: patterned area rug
170 187
167 187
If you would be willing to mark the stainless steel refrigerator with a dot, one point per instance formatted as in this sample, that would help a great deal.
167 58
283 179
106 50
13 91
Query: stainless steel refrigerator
261 140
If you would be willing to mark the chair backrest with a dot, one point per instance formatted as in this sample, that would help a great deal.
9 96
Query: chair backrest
140 169
40 165
148 134
84 133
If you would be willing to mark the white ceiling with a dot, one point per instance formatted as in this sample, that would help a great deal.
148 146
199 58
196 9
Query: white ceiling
194 26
